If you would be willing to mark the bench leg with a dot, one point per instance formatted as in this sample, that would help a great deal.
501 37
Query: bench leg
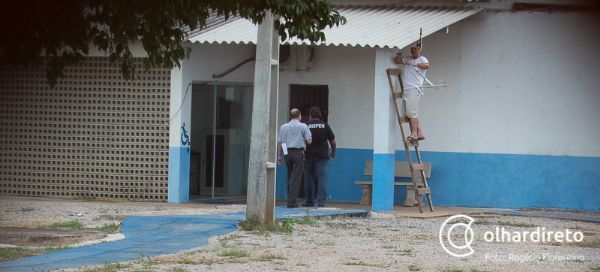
367 190
411 196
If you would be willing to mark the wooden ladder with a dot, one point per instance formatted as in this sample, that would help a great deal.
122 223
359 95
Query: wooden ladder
419 166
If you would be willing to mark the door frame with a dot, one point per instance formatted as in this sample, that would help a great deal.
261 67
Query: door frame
215 131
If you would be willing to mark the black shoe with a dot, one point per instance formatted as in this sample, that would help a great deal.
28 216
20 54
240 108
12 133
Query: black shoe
308 205
292 206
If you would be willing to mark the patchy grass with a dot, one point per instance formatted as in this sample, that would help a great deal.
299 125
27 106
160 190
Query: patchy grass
28 209
190 261
344 224
51 249
481 222
178 269
147 263
110 217
404 252
281 226
326 242
414 267
515 224
73 224
253 225
287 226
224 242
270 257
588 243
356 262
307 220
452 270
504 223
109 228
233 252
595 269
107 267
12 253
461 270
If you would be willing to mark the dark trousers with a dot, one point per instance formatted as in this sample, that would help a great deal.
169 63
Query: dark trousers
294 161
315 172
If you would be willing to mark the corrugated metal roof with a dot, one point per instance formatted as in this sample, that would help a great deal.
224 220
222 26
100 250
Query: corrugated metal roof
213 21
383 27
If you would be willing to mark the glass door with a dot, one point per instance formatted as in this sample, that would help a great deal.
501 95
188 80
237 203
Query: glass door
221 117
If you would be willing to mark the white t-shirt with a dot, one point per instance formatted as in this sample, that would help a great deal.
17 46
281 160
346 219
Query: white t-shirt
414 76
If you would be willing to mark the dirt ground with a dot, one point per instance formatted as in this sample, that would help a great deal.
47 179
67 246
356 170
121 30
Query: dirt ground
380 242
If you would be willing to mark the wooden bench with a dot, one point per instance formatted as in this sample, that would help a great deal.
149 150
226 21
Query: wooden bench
401 170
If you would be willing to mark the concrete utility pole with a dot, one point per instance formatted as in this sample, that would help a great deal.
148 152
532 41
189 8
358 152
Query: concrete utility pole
263 141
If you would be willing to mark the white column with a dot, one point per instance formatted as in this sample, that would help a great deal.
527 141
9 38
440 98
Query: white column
263 157
383 134
179 138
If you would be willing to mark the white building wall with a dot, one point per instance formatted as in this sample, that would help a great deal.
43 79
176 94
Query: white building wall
349 74
519 83
347 71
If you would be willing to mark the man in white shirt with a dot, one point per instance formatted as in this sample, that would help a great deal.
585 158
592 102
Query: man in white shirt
415 68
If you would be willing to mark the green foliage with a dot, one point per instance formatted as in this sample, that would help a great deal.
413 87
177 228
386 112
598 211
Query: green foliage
287 225
73 224
307 220
404 252
109 228
516 224
250 224
61 34
281 226
414 267
107 267
270 257
233 252
11 253
54 248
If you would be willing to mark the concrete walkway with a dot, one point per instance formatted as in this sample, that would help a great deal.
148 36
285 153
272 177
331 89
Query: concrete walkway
155 235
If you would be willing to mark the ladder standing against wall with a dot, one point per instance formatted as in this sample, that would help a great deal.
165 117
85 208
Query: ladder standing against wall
419 180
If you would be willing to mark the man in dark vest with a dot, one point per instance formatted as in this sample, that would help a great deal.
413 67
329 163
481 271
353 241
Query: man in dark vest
317 159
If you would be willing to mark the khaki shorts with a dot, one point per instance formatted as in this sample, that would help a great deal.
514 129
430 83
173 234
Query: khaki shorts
411 104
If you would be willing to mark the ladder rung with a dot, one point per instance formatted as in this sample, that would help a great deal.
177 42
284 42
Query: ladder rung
415 143
423 191
396 71
418 166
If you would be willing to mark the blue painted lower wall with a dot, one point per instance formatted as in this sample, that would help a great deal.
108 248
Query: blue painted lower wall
179 174
383 182
480 180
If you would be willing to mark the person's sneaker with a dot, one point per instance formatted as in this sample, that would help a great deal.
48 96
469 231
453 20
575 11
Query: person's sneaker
308 205
321 205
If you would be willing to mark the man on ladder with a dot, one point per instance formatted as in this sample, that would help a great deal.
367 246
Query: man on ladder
410 91
415 68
